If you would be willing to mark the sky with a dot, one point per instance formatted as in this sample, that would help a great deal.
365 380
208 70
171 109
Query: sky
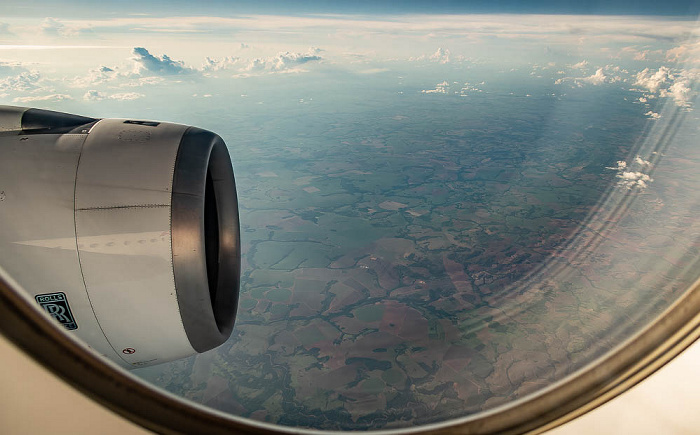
57 57
79 8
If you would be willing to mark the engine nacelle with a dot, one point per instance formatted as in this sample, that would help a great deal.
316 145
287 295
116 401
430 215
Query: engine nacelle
124 231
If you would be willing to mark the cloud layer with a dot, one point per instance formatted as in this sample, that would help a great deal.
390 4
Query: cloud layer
284 61
93 95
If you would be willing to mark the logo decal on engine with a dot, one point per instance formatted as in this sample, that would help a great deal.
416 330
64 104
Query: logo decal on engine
56 304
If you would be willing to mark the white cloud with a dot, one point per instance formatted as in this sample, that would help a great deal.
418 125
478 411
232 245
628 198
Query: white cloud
634 179
23 82
679 84
11 67
440 88
615 73
211 64
640 161
606 74
442 55
145 69
93 95
126 96
596 79
113 76
631 175
51 97
373 70
687 52
557 28
256 64
635 53
676 54
148 64
133 82
680 92
468 88
653 115
284 61
652 80
96 76
288 60
580 65
621 164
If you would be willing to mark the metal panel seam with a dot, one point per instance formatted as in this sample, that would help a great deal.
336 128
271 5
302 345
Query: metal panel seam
77 250
115 207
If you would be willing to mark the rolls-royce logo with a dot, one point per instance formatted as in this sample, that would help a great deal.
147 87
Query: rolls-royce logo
56 304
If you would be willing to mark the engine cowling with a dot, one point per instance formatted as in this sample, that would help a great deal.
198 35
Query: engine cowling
125 231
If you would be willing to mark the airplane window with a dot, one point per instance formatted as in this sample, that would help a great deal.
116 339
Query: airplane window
442 212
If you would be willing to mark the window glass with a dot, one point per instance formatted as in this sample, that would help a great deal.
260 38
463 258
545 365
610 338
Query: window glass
440 214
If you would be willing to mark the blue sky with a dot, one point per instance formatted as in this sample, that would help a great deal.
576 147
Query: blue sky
81 8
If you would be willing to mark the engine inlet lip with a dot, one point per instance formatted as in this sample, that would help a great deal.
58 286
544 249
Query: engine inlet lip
207 277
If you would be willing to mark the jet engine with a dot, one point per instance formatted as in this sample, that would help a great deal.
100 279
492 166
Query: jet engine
124 231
